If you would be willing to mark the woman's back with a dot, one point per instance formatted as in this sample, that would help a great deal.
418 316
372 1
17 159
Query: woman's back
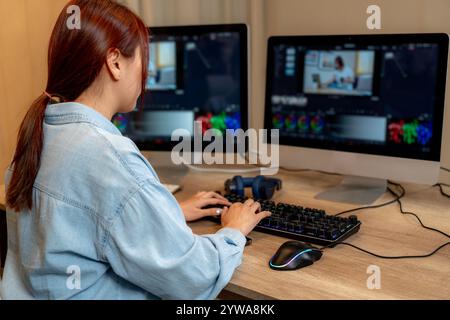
87 172
103 227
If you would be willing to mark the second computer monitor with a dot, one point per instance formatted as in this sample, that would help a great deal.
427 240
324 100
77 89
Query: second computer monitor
196 73
364 105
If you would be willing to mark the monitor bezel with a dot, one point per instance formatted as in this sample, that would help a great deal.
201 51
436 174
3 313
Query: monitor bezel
442 39
242 30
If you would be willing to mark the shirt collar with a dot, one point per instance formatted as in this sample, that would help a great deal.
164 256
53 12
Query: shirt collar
74 112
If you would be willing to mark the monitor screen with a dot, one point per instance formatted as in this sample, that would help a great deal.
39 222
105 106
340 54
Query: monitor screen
374 94
196 73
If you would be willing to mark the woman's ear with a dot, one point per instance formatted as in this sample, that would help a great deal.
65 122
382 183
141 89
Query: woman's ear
114 63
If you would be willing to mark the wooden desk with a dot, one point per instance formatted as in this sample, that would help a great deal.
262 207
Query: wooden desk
342 271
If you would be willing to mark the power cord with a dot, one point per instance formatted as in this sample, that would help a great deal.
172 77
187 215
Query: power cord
397 199
440 185
393 257
411 213
445 169
372 206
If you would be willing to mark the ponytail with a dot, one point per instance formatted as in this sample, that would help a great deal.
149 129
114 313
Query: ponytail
27 156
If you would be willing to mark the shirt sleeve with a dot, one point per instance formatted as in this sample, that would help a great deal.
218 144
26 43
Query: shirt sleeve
150 245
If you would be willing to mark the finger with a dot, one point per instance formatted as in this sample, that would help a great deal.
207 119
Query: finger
206 194
200 193
219 196
224 211
263 215
255 207
236 205
224 215
212 194
249 202
212 212
213 201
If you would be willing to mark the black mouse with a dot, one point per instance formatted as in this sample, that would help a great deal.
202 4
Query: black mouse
294 255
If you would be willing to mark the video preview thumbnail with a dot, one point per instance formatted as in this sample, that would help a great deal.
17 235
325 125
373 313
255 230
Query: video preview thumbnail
348 72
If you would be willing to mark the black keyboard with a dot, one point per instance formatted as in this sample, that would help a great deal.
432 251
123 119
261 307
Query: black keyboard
299 223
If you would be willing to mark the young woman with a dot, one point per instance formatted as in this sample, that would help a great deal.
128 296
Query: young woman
87 215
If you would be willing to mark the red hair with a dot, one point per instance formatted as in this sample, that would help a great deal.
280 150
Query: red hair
75 58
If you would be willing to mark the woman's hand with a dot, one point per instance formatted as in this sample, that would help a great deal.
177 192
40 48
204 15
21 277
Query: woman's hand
193 207
244 216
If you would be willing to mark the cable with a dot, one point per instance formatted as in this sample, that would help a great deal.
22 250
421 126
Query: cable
412 213
443 184
392 257
440 185
366 207
397 197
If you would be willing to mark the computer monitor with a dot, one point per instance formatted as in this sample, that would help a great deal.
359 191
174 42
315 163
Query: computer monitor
196 73
363 105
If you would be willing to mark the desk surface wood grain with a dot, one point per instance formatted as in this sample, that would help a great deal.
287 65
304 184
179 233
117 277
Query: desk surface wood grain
342 273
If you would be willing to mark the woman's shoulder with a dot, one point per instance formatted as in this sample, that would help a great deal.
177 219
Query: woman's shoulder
125 155
83 151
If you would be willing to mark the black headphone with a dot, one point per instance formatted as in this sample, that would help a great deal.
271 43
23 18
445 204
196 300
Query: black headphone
263 188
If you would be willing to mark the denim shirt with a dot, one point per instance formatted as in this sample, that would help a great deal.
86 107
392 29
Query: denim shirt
102 226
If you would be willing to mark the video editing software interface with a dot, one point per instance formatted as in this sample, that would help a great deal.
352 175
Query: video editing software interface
368 97
195 74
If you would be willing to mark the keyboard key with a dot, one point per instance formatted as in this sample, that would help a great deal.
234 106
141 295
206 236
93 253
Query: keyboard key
321 233
310 230
353 219
334 233
265 222
275 223
299 228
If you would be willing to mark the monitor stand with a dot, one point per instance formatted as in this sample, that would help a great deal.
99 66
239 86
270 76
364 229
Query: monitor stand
355 190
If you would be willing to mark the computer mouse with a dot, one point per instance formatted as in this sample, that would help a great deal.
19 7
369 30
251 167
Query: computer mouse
294 255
